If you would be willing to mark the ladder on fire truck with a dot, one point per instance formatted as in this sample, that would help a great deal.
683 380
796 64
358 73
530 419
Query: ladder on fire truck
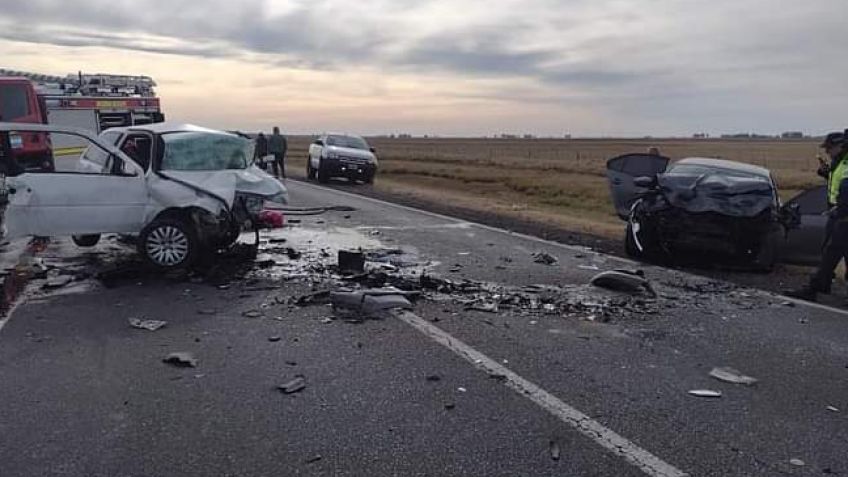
100 84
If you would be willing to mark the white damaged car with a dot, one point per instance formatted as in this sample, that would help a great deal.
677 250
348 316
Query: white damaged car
185 191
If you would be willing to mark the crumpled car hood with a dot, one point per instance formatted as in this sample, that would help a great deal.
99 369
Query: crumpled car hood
716 192
225 184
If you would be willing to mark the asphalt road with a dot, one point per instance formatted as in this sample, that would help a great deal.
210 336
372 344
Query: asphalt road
599 390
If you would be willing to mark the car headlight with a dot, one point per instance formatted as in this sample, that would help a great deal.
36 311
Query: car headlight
279 198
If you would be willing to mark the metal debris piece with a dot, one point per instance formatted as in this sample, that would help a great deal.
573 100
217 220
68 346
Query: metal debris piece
555 450
327 321
274 339
181 359
294 386
589 267
252 314
450 406
797 462
351 261
434 378
314 458
545 258
149 325
733 376
374 232
370 301
58 281
705 393
488 307
627 281
312 298
461 389
832 409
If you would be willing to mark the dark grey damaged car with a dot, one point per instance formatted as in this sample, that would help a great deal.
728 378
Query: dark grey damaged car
707 210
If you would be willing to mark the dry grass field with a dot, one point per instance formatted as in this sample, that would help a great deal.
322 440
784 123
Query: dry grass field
553 181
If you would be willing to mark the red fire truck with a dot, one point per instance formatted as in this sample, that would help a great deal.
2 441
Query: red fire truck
93 102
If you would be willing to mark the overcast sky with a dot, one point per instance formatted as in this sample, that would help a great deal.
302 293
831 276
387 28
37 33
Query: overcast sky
458 67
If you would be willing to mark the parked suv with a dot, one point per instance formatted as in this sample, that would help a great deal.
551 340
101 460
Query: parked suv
183 190
341 155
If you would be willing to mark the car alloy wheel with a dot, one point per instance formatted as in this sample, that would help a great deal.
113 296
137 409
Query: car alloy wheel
167 246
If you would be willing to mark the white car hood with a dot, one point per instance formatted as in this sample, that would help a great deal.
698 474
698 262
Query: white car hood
351 152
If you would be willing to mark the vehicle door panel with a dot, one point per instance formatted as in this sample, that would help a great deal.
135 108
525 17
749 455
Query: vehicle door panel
623 169
803 245
75 203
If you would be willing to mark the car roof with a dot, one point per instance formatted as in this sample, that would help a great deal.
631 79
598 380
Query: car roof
167 127
724 164
342 134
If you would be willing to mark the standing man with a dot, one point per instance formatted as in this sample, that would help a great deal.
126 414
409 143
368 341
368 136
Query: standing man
277 145
261 150
836 242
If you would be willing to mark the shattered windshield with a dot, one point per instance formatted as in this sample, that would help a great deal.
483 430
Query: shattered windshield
205 151
352 142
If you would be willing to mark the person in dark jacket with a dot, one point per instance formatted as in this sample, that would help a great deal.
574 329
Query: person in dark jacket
277 145
836 243
261 149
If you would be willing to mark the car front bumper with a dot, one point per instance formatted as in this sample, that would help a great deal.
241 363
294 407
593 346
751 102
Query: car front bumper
352 170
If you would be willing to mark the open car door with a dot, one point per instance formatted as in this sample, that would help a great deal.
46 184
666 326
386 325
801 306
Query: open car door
623 169
803 244
76 203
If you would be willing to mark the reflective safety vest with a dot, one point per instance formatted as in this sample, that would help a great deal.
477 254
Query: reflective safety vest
834 180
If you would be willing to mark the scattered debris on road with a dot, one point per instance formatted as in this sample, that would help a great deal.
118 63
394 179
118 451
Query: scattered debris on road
832 409
555 450
627 281
274 339
294 386
181 359
730 375
149 325
545 258
797 462
705 393
252 314
314 459
351 261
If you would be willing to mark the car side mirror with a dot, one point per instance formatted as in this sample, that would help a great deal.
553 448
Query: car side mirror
790 216
318 142
645 181
373 150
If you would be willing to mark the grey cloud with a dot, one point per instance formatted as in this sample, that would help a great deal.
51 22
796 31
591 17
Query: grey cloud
673 55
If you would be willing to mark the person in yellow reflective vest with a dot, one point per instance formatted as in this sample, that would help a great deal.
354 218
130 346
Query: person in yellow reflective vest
836 241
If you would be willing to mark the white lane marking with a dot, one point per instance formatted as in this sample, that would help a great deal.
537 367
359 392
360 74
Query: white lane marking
618 445
573 248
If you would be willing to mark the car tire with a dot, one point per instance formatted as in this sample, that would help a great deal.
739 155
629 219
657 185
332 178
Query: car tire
310 172
169 244
370 179
323 177
85 240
